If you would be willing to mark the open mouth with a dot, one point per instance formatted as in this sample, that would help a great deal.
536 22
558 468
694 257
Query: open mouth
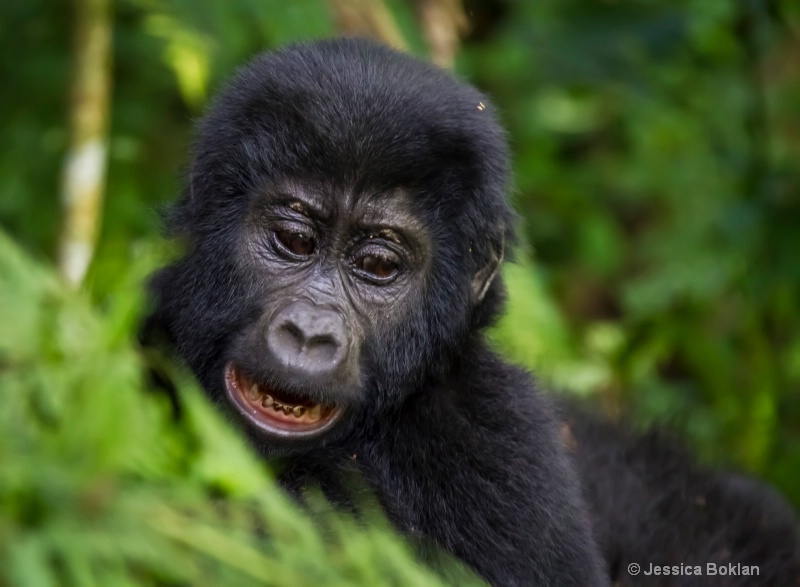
278 412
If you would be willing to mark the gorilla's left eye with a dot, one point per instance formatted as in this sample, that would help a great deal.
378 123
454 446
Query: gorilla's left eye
296 243
379 268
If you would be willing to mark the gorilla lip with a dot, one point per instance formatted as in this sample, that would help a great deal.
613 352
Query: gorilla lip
275 412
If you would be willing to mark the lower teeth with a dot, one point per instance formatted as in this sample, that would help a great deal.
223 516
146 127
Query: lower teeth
267 401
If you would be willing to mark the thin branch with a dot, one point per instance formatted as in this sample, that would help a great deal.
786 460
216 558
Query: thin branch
443 22
367 18
751 18
85 164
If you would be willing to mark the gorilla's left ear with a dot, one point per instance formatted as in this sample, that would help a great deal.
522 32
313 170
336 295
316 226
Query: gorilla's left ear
485 275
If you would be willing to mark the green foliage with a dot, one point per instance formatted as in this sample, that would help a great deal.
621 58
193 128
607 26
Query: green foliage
99 485
656 146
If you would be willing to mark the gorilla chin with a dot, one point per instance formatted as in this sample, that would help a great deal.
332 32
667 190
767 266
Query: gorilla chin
278 413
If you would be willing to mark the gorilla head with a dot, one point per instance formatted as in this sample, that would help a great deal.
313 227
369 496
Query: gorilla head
346 215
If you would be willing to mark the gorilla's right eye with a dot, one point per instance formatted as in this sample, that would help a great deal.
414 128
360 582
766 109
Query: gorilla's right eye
296 243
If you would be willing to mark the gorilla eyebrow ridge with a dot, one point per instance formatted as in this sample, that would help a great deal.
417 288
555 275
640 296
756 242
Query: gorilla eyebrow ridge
301 199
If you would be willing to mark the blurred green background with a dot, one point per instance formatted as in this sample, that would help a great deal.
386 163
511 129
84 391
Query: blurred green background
656 148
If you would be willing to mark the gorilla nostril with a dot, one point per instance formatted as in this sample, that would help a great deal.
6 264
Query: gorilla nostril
285 341
323 349
290 335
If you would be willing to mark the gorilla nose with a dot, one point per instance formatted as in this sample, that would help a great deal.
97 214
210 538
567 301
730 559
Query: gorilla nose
307 339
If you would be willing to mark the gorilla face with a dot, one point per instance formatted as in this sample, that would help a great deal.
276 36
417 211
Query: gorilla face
330 270
346 218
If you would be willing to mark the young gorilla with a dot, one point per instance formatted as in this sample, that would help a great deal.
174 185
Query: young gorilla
346 217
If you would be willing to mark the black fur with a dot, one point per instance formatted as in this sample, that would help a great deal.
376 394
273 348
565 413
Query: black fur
651 505
459 447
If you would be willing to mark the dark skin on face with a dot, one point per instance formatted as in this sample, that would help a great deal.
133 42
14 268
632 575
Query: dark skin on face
332 263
